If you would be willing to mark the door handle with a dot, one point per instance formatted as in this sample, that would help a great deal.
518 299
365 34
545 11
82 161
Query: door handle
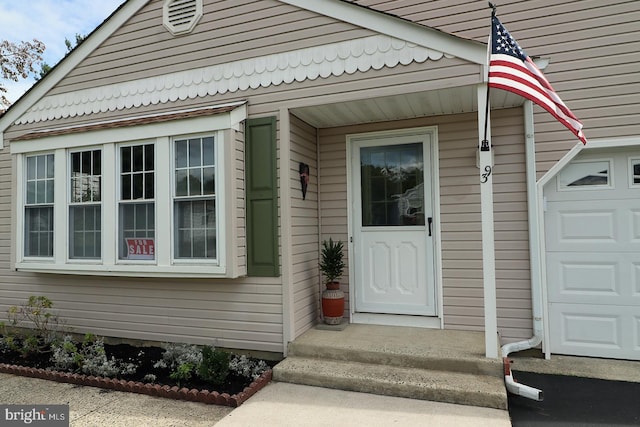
430 222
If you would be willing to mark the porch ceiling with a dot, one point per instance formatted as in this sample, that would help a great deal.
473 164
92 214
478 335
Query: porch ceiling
402 106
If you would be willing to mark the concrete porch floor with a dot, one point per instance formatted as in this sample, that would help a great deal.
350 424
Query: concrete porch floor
397 341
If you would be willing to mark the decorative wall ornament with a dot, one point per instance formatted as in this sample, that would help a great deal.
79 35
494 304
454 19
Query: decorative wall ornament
374 52
303 169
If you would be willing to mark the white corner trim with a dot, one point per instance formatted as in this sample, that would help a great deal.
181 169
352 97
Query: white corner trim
336 59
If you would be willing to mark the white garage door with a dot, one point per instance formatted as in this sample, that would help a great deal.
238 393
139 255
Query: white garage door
592 227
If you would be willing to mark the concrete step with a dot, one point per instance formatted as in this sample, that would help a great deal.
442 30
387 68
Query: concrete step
439 360
416 383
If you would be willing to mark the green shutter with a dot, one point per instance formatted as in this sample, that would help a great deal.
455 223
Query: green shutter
262 197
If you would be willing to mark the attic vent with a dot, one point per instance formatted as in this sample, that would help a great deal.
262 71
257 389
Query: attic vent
181 16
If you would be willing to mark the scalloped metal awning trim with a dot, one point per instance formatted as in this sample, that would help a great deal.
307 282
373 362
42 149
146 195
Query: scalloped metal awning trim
374 52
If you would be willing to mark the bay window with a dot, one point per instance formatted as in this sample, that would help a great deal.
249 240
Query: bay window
159 197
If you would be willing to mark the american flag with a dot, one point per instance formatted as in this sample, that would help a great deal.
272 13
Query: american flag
512 70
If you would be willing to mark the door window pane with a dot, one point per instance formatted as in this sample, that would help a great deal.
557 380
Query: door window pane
392 185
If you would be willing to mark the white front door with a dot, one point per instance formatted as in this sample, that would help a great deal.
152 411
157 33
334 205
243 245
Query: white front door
392 225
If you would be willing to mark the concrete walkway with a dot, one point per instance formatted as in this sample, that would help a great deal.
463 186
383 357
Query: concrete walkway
278 404
283 405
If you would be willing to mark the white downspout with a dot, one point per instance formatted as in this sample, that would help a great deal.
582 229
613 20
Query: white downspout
534 255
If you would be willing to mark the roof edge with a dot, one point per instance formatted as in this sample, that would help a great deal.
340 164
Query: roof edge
397 27
125 11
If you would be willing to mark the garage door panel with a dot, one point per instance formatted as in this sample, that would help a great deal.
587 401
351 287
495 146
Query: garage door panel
586 227
609 278
598 331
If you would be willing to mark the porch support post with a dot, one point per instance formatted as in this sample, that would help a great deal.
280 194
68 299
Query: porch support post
488 242
285 229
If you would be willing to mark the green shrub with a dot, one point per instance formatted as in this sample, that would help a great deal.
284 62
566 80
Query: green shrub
214 366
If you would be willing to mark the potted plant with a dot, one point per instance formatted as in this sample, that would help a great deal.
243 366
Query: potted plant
332 266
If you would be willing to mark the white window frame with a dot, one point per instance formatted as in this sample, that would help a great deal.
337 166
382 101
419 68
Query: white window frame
118 196
632 162
610 177
22 201
110 141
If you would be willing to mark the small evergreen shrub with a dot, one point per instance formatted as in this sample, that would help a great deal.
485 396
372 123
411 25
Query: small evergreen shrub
214 366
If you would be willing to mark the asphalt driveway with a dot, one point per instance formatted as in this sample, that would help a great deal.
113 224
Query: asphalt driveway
574 401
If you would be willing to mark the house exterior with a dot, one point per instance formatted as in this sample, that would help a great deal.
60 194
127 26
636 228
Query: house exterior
152 182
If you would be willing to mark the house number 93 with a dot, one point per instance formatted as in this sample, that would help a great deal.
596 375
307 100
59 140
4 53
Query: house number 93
486 174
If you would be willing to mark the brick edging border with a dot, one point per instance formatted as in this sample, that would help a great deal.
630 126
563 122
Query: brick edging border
193 395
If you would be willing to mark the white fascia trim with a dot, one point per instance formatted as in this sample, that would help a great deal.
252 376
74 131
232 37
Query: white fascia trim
77 55
396 27
228 120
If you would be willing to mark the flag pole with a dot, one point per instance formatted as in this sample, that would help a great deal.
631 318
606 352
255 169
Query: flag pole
485 142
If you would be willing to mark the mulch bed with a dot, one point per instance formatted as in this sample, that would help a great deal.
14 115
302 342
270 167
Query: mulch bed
235 391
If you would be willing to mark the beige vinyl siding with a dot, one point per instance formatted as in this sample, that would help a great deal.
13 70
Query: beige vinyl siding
593 50
240 28
460 215
196 311
304 228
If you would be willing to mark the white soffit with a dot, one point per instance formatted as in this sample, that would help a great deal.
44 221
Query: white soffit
348 57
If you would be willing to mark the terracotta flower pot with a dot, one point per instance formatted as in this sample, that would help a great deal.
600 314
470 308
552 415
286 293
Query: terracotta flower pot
332 304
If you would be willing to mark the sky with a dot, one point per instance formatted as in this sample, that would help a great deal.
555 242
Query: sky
50 21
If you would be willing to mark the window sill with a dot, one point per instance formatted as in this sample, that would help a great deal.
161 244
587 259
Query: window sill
128 270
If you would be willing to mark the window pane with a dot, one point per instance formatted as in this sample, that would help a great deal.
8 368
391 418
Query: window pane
41 192
392 186
125 159
97 162
86 163
181 154
194 182
582 174
85 232
126 187
209 181
138 186
75 163
38 235
138 158
148 157
31 167
207 152
149 185
181 183
50 166
194 153
195 229
31 192
42 167
50 191
137 221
